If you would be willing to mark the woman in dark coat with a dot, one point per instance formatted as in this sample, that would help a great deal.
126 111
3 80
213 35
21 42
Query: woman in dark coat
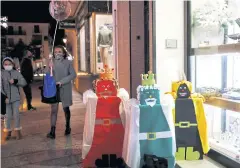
63 73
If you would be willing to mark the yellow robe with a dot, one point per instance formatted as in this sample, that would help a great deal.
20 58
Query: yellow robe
198 101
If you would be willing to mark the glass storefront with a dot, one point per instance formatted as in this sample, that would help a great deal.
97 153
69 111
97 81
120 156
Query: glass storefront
101 46
215 67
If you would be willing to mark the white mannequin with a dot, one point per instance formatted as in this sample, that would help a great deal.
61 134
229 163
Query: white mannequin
104 44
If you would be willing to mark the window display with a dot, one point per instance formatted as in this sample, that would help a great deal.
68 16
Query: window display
104 41
214 69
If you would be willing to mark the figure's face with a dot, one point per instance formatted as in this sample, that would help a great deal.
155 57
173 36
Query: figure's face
183 91
149 97
106 88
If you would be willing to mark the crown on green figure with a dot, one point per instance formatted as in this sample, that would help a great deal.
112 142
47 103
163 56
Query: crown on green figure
148 79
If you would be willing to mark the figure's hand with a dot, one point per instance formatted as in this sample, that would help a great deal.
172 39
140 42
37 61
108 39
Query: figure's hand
59 84
11 81
7 101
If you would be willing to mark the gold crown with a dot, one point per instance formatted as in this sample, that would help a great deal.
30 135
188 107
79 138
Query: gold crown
106 73
148 79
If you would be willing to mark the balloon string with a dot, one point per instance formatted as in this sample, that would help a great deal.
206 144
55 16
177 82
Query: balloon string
108 6
54 37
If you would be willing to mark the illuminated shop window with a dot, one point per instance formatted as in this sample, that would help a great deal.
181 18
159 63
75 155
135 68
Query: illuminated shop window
215 67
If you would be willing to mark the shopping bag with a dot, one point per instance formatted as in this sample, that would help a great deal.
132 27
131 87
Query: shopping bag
50 100
49 86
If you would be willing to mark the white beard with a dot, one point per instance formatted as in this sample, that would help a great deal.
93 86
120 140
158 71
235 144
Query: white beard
151 101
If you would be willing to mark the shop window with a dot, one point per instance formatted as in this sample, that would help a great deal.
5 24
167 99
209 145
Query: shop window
214 69
104 41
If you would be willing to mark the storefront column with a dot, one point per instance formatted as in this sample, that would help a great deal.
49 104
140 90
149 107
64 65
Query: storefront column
122 42
129 43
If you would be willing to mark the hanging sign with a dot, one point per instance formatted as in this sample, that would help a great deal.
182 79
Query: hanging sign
67 24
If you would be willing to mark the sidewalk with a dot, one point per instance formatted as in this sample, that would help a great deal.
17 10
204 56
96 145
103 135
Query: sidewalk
34 150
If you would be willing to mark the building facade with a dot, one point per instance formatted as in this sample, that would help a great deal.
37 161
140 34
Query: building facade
30 34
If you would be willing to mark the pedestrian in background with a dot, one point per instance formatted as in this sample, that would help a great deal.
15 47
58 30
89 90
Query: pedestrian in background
27 72
11 81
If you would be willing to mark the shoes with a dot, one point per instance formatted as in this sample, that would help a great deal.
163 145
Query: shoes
51 134
67 131
32 108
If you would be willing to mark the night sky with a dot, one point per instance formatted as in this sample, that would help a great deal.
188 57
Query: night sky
31 11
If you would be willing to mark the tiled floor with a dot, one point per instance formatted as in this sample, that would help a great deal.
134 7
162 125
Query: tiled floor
35 150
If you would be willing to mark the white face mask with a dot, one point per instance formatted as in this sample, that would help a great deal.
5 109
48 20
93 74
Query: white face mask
59 56
8 67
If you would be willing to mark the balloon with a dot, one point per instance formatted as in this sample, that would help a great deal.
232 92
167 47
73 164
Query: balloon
60 10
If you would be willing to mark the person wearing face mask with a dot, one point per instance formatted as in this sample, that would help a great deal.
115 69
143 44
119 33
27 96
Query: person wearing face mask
27 72
63 73
11 80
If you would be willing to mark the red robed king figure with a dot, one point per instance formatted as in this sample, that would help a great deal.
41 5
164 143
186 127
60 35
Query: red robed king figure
107 141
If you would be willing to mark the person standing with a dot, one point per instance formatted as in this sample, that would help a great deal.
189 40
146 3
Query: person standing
27 72
63 73
11 80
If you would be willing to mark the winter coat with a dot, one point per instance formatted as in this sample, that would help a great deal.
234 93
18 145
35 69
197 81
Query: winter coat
64 73
27 70
11 91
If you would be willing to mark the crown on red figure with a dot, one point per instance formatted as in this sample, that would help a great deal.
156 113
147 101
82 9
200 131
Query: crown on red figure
106 73
106 85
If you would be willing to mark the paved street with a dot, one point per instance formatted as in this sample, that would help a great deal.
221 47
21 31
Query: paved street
34 150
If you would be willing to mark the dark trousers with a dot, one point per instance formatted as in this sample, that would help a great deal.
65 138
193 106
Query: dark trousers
28 92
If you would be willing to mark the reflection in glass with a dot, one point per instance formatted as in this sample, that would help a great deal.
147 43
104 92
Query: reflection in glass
224 131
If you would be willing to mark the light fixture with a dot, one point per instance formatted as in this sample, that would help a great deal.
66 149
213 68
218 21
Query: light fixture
65 39
4 25
4 22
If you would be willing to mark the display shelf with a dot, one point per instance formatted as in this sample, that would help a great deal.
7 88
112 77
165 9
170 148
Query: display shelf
228 104
226 150
219 49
